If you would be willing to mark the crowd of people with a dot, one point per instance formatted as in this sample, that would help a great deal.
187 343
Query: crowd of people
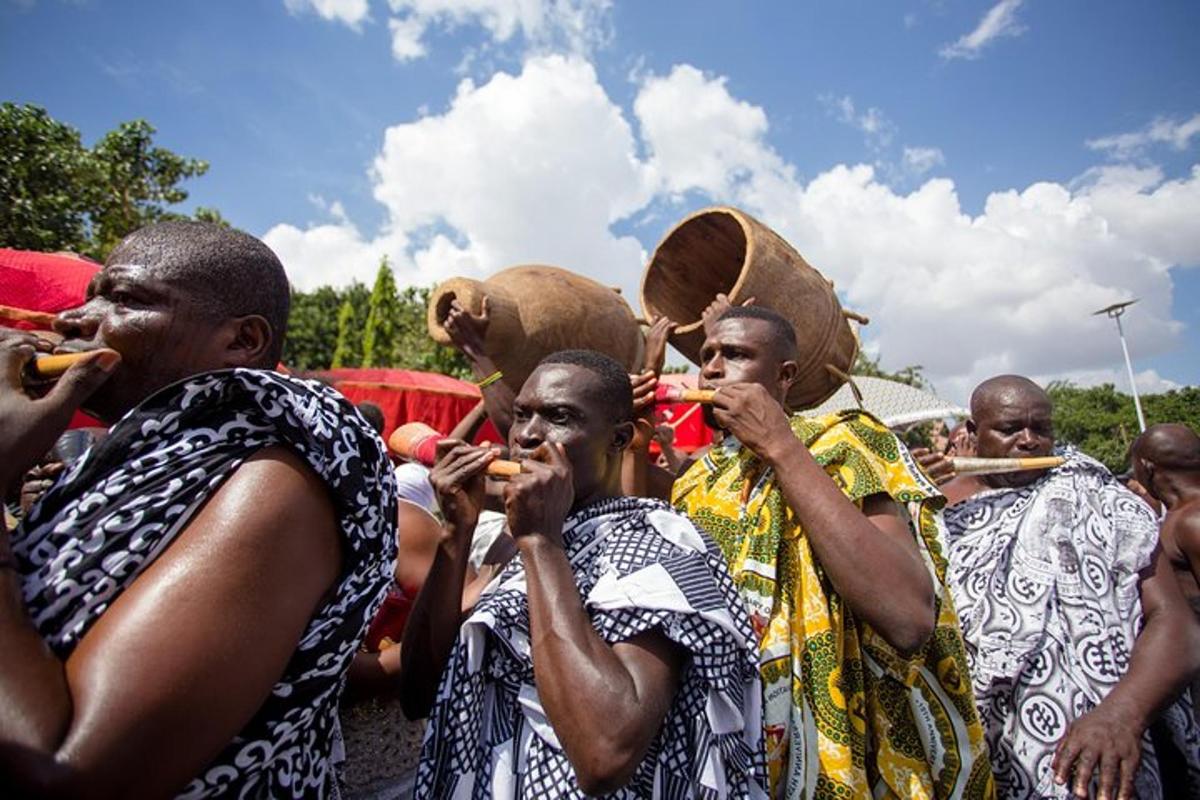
195 601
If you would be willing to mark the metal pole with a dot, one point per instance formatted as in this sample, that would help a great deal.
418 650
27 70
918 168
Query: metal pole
1137 403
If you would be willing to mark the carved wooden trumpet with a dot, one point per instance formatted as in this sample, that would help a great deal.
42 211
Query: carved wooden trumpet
986 466
418 442
50 367
666 393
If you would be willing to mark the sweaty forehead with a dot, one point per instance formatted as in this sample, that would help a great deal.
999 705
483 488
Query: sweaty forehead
558 384
741 330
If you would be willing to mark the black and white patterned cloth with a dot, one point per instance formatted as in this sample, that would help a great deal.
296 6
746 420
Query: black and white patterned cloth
1045 579
126 500
639 566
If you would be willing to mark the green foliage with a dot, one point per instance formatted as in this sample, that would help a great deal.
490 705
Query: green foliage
313 325
348 350
383 313
315 340
1102 422
913 375
60 195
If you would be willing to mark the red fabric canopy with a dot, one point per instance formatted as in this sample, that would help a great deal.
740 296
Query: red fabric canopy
686 418
47 282
410 396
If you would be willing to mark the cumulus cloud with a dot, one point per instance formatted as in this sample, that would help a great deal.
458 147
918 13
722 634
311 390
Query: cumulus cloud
1163 130
526 168
999 21
351 13
574 26
919 160
540 166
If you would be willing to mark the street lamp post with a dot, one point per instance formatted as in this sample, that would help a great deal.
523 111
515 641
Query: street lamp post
1114 312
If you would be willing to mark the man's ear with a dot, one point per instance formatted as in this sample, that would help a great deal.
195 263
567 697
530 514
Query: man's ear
249 342
789 373
622 435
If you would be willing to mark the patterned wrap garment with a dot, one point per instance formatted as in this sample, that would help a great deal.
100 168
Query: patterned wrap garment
119 507
638 566
1045 578
845 715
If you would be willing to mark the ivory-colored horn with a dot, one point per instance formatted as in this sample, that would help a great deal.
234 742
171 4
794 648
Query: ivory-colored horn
418 442
986 466
666 393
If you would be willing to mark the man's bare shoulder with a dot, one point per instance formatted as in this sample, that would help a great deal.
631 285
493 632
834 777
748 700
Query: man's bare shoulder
1181 531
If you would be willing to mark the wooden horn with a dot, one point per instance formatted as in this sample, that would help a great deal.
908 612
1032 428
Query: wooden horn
417 441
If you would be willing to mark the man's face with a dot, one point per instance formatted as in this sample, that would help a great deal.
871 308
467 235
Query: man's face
560 403
741 350
1014 423
161 334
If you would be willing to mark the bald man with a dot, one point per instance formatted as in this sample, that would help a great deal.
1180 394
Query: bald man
1166 460
1077 632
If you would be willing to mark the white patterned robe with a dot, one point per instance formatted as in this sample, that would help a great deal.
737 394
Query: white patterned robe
639 565
1045 579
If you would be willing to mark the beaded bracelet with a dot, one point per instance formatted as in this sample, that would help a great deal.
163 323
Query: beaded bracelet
490 379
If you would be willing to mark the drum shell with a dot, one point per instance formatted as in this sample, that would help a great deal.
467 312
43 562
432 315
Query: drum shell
536 310
726 250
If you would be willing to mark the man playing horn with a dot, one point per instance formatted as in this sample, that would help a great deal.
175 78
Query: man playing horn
178 612
1078 634
865 686
611 654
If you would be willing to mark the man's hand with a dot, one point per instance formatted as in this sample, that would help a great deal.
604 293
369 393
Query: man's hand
467 330
656 344
938 467
719 306
28 426
644 386
756 419
458 480
538 500
1104 743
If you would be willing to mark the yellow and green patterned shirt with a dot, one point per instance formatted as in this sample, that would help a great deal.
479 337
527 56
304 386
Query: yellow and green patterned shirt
844 714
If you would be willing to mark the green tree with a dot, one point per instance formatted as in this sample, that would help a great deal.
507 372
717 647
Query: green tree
348 350
61 195
383 315
1102 422
313 325
415 349
46 180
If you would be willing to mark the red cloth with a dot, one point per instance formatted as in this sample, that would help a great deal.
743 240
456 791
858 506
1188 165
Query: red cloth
49 282
687 418
410 396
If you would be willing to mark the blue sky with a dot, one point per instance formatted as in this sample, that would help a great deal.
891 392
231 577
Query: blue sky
976 176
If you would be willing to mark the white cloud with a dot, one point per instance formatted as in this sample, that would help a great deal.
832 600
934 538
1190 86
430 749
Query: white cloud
351 13
538 166
919 160
573 26
1148 380
1176 133
876 128
526 168
999 21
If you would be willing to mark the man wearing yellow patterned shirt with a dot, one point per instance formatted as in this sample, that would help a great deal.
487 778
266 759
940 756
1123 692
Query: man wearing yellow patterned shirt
865 685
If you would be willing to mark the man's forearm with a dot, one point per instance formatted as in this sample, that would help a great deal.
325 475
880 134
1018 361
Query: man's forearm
35 704
589 697
432 626
1166 656
862 562
498 396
